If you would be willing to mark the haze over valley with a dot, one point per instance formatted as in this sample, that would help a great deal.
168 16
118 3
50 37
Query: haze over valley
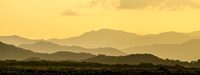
171 45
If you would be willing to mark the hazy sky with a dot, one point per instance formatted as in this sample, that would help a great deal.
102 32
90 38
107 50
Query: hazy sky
44 19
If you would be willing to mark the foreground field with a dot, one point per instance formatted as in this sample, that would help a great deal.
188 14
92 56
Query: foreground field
84 68
93 71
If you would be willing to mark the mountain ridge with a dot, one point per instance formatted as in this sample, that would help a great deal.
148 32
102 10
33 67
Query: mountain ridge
120 39
134 59
44 47
115 38
11 52
17 40
185 51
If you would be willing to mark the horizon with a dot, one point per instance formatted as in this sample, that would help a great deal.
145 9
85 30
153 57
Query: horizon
41 38
65 18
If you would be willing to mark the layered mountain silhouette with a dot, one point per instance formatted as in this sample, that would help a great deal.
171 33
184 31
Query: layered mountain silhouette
195 34
121 39
186 51
104 41
100 38
111 38
48 47
10 52
16 40
134 59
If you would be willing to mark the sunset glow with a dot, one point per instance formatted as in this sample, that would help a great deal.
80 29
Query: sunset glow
45 19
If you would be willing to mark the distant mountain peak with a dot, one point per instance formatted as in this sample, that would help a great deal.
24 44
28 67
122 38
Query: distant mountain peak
173 34
109 32
15 36
195 32
170 32
193 41
106 29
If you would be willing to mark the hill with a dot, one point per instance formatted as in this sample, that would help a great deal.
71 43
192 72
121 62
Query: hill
186 51
15 53
195 34
162 38
16 40
120 39
99 38
48 47
133 59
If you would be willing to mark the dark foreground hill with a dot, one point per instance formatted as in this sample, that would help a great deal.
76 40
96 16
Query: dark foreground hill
15 53
48 47
134 59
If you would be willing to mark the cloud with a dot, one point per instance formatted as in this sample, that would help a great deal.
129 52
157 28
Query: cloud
104 3
160 4
70 12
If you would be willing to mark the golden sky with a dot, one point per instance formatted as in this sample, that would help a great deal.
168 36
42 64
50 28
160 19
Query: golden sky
44 19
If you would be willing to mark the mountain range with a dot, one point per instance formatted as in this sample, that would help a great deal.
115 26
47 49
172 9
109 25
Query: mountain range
100 38
185 51
134 59
120 39
16 40
10 52
173 45
111 38
48 47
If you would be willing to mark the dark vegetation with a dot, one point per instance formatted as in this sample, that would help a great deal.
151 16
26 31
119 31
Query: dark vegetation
85 68
135 59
